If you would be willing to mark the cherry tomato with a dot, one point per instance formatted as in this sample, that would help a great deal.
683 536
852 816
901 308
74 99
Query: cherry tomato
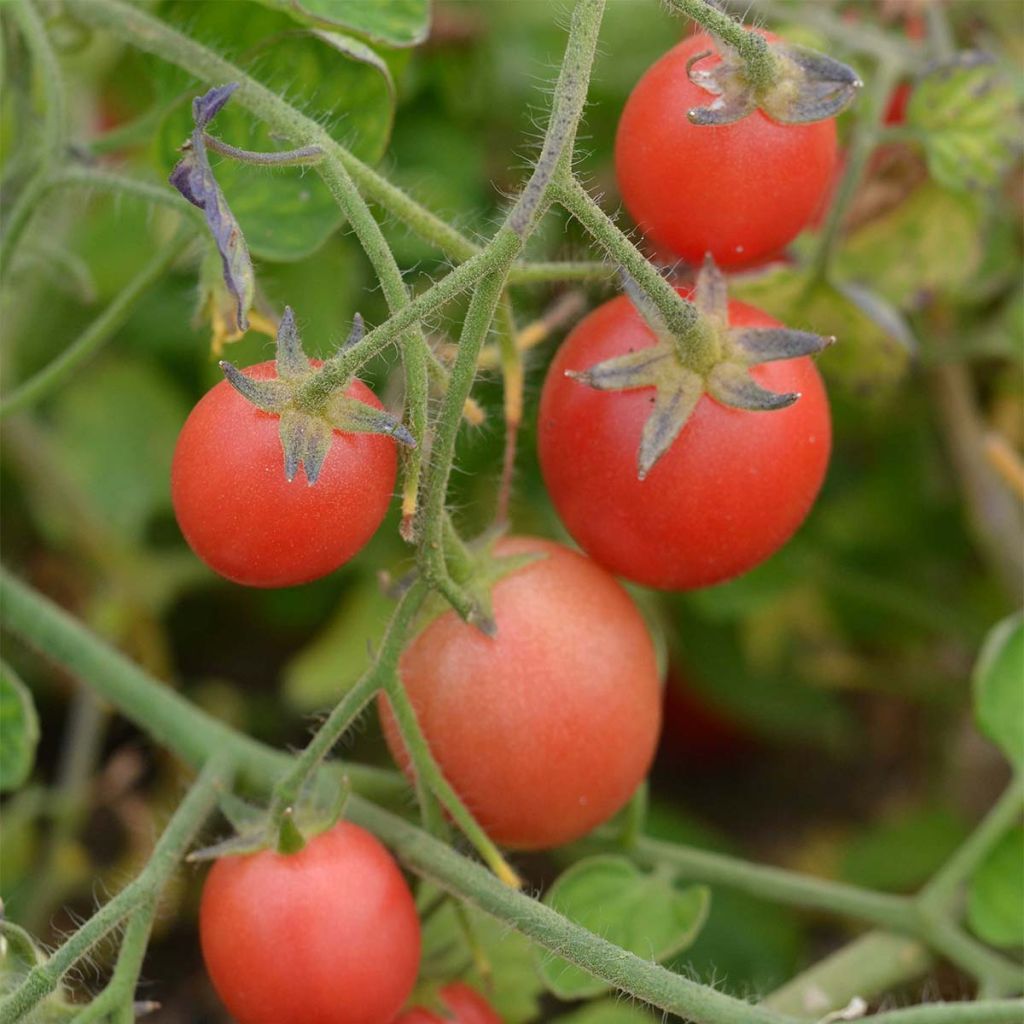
327 935
461 1005
741 191
728 493
546 729
244 519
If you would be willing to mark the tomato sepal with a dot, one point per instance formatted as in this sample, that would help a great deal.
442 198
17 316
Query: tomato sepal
807 86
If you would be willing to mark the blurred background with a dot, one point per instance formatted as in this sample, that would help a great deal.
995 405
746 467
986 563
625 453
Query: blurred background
817 709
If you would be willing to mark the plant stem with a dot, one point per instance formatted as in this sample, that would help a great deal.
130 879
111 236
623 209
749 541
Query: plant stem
287 790
177 837
940 893
120 990
680 316
512 402
762 68
870 965
1001 1011
100 331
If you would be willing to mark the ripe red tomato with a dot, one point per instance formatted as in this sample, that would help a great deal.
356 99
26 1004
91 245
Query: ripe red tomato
741 191
246 521
328 935
546 729
730 491
462 1005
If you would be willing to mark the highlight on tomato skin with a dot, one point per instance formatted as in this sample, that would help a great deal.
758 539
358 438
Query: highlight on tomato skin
546 729
459 1004
740 192
328 934
241 515
730 491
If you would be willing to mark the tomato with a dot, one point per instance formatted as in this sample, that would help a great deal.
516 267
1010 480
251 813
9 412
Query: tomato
729 492
327 935
741 191
461 1005
546 729
244 519
696 730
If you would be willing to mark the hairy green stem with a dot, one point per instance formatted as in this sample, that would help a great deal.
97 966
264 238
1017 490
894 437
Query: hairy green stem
762 68
680 316
177 837
287 791
100 331
1000 1011
120 990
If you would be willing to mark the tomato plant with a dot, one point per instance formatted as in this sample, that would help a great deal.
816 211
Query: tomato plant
247 521
546 729
728 493
458 1004
326 935
741 191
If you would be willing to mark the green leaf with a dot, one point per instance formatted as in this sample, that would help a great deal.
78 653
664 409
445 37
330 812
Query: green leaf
930 241
640 912
966 112
392 22
513 987
995 905
19 726
285 213
999 688
607 1011
114 432
325 670
872 349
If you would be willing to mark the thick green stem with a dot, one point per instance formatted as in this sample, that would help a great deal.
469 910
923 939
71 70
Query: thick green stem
762 68
286 792
680 316
168 852
100 331
1001 1011
120 990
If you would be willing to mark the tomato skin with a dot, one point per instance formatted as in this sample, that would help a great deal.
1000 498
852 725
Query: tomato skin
245 520
328 935
545 730
730 491
741 192
463 1005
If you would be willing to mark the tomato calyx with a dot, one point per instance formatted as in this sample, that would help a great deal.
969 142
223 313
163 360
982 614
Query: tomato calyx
679 382
308 432
807 86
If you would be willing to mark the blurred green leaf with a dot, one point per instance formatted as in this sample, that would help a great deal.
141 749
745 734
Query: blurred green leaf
999 688
114 431
901 854
393 22
323 671
607 1011
613 898
285 213
966 111
872 350
513 988
19 726
932 240
995 906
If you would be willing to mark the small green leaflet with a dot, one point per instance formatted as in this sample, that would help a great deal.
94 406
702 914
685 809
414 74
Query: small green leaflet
643 913
389 22
995 899
19 727
999 688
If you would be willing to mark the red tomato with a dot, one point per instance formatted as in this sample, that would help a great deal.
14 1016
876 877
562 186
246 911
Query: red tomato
328 935
896 109
695 730
246 521
462 1005
546 729
741 192
730 491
